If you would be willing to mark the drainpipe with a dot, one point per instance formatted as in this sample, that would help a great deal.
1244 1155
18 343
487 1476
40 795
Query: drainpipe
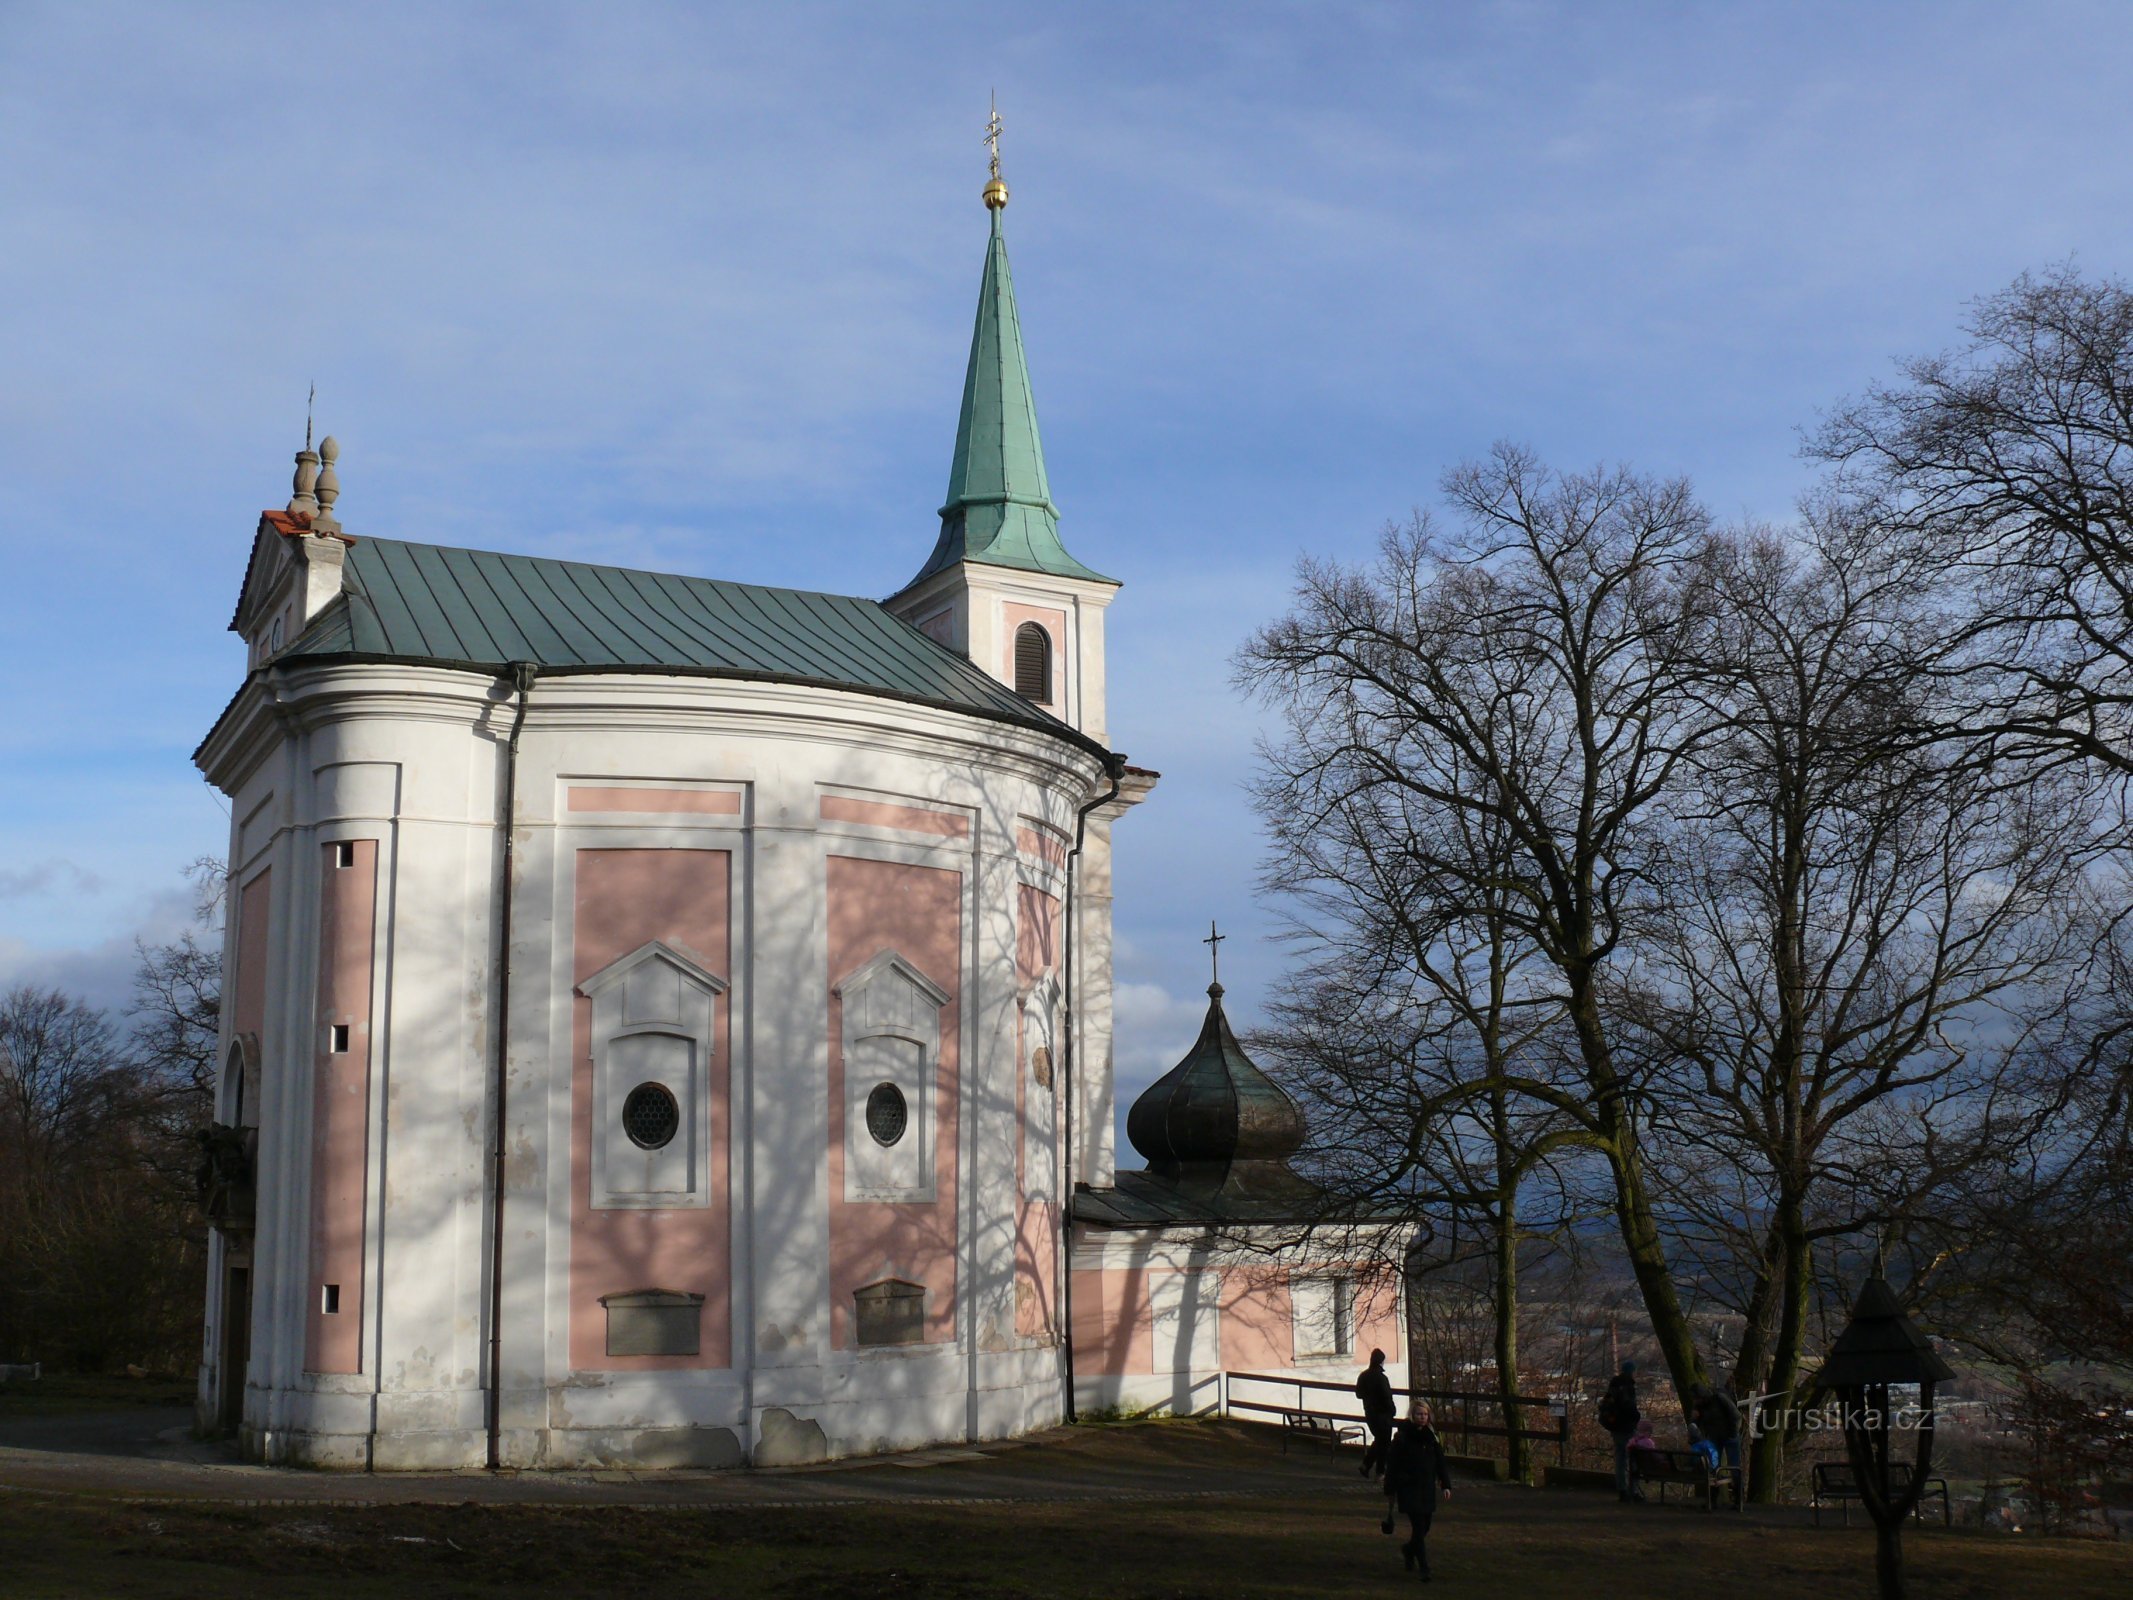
522 676
1114 770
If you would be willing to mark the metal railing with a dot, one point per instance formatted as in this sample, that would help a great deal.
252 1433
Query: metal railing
1453 1408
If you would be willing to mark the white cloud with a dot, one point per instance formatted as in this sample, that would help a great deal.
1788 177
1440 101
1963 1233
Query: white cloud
47 878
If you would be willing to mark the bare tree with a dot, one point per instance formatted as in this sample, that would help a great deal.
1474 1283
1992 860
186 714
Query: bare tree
1861 920
1532 679
1403 1035
101 1243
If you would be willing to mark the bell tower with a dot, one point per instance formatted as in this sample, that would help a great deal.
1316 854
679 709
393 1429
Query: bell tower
999 586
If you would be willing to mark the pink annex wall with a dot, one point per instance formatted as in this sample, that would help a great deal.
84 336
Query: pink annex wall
624 899
918 913
340 1105
1036 1218
1113 1325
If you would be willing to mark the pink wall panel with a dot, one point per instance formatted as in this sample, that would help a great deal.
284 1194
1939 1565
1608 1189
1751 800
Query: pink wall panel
1258 1326
881 814
1036 1219
701 802
1111 1322
340 1106
918 913
625 898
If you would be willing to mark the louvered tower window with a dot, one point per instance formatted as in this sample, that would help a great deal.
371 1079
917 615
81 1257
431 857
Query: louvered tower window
1033 663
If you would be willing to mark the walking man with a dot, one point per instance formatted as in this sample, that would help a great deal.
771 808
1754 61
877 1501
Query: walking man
1415 1472
1618 1415
1374 1389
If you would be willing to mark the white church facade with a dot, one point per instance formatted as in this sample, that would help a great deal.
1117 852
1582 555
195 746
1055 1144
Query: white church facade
668 1021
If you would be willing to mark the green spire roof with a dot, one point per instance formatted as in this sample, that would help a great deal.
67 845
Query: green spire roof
999 509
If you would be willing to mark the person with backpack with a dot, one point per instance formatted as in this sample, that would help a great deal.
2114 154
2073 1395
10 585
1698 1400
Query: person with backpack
1415 1471
1380 1410
1619 1416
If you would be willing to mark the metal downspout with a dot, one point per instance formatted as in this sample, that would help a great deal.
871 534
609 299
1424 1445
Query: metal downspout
522 675
1114 770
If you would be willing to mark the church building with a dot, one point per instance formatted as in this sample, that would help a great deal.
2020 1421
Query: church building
669 1021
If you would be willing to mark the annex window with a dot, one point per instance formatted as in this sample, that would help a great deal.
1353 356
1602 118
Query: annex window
1033 663
651 1051
1325 1316
889 1312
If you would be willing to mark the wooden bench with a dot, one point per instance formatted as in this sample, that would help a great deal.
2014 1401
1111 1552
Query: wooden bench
1336 1431
1686 1467
1834 1481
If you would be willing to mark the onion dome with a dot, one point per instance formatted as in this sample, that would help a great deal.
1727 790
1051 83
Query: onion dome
1214 1108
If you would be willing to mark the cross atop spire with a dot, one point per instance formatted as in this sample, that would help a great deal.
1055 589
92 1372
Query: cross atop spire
1213 941
995 186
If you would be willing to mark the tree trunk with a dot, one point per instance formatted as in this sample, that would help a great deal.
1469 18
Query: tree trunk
1888 1558
1795 1292
1641 1239
1518 1449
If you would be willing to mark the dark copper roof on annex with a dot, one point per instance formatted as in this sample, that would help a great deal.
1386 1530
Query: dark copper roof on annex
1217 1133
1214 1105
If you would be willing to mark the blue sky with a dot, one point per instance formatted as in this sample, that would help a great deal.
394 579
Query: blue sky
691 286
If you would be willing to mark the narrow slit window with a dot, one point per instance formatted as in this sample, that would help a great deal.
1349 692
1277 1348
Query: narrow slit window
329 1299
1033 663
344 853
340 1038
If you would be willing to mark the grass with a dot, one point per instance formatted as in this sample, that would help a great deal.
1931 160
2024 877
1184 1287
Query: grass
1316 1540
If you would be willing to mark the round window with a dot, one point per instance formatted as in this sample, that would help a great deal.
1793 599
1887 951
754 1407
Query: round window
650 1117
887 1116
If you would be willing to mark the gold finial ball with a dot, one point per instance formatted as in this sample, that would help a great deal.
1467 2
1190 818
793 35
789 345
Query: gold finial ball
995 195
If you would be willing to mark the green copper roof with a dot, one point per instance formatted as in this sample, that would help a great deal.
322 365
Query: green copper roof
999 510
483 610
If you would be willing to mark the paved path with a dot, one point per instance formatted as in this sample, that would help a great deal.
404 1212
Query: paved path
150 1454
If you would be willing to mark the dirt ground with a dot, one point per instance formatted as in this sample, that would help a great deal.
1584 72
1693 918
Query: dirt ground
1138 1513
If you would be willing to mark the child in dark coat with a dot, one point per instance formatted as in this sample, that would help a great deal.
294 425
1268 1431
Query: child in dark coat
1415 1472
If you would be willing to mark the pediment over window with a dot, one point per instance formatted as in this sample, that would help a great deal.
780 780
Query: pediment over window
649 985
892 997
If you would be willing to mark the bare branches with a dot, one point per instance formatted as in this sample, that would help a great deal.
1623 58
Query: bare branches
2011 459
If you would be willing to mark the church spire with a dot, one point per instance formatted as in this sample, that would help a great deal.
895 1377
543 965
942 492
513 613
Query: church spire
999 509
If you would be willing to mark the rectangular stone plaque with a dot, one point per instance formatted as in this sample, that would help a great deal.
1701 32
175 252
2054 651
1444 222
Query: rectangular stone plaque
653 1322
893 1312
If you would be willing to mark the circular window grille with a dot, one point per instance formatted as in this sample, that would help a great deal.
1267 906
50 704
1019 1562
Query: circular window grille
650 1117
887 1116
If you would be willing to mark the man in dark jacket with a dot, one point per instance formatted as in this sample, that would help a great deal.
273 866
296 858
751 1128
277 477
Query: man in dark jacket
1374 1389
1618 1415
1414 1473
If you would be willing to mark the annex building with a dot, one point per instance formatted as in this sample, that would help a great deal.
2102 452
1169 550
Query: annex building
669 1020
